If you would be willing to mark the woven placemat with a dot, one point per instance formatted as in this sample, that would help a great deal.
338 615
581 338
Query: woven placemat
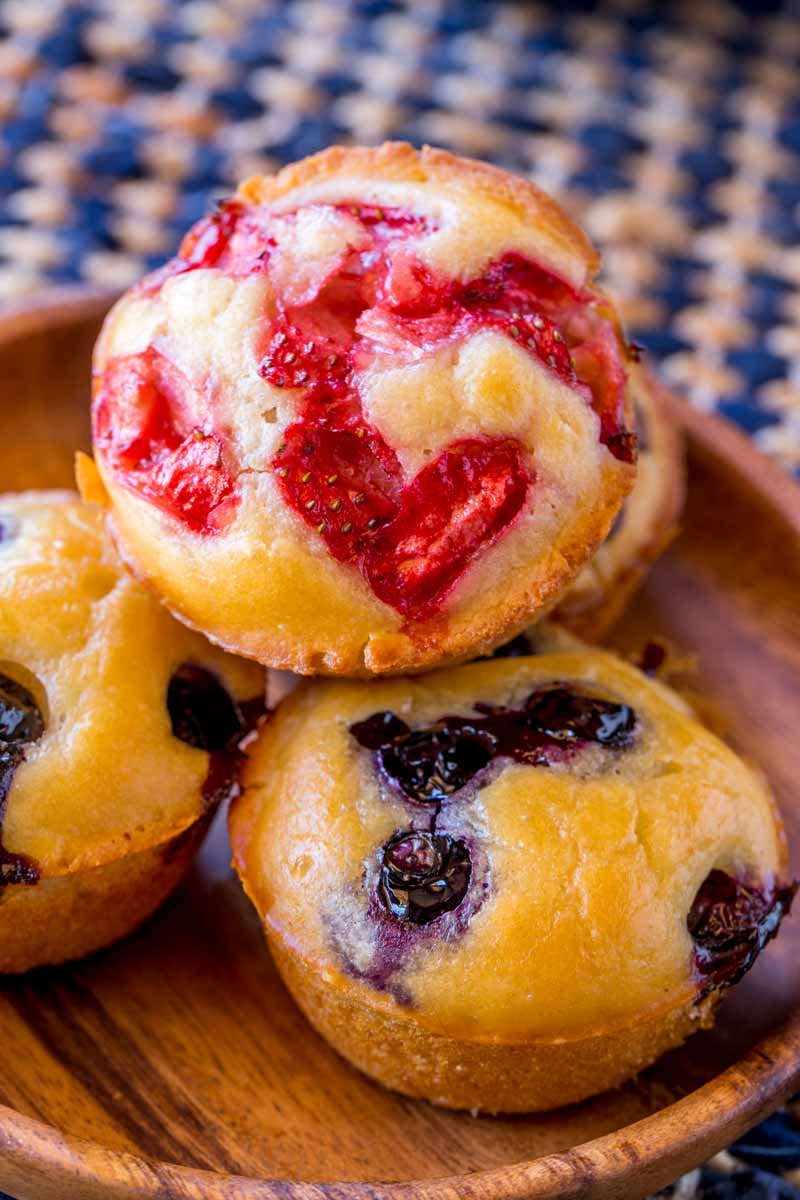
671 130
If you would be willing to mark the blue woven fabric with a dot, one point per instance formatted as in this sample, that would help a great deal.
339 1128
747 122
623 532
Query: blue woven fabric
671 131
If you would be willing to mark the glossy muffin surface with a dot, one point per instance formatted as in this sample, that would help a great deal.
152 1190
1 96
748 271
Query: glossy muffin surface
115 720
373 416
519 853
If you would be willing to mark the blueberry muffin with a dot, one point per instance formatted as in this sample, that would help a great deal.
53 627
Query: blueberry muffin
372 417
119 731
645 525
508 885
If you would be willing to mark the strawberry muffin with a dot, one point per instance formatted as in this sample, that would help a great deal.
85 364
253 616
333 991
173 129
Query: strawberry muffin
119 734
372 417
509 885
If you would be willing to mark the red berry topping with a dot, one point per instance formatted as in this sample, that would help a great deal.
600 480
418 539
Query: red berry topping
455 508
146 425
565 331
536 333
568 332
131 417
206 242
388 220
305 355
411 542
232 239
192 483
512 298
341 477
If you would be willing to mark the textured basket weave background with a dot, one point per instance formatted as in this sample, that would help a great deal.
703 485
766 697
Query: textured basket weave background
671 130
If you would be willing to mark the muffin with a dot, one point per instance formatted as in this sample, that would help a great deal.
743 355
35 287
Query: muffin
509 885
373 417
118 736
643 528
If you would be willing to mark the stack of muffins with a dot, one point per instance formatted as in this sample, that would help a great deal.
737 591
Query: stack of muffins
376 420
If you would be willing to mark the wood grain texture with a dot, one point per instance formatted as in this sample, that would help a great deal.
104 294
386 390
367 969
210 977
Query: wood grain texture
180 1045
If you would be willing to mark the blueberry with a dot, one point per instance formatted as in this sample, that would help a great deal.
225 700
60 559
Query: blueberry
21 723
567 716
20 719
202 712
377 730
730 923
430 764
423 875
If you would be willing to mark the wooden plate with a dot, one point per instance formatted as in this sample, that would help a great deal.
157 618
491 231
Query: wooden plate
180 1046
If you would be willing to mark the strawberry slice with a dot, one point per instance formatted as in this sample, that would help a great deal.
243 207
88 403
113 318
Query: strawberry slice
513 281
451 512
568 331
412 543
231 239
192 484
340 476
536 333
515 297
409 290
207 240
143 426
415 314
389 221
234 239
131 419
301 352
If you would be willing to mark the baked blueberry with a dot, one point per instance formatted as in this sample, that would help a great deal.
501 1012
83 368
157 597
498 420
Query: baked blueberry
730 922
378 730
423 875
202 711
429 765
21 721
566 715
21 724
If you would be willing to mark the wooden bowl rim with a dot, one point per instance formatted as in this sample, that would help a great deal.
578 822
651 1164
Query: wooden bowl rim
657 1149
